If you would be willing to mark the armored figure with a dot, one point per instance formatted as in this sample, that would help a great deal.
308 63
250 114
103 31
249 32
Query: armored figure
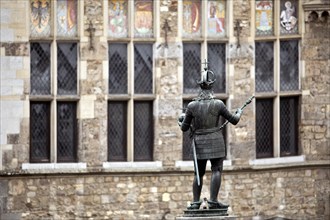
201 118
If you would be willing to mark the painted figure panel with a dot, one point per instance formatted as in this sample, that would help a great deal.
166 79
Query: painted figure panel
118 18
216 17
66 18
40 18
143 18
264 18
289 17
191 18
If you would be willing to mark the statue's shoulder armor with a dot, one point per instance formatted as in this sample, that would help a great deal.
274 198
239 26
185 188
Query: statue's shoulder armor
215 106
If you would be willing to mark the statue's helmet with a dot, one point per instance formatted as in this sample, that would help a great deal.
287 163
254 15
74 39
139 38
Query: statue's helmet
207 78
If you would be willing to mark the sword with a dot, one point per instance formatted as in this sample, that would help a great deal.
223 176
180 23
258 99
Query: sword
195 162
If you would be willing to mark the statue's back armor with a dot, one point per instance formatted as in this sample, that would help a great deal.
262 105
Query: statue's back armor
206 115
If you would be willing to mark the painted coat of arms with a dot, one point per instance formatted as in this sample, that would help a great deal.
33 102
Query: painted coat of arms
40 18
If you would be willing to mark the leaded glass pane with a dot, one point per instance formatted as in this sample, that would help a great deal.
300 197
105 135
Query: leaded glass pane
40 18
118 68
192 18
118 17
143 18
143 64
264 18
66 132
143 131
67 68
264 128
216 54
289 17
39 131
40 68
264 55
289 126
289 65
191 67
216 19
117 131
66 18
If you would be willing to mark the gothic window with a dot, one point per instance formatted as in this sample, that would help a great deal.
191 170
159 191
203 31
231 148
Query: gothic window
131 80
277 78
53 91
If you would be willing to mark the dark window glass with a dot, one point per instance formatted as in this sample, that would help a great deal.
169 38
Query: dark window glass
143 65
66 132
117 131
40 68
216 55
39 132
143 131
264 66
191 67
289 66
67 68
289 126
264 128
118 68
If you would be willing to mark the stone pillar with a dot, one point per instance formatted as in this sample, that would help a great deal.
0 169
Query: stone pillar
93 89
168 53
241 84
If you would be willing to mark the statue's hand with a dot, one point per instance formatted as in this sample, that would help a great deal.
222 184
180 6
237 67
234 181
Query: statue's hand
181 118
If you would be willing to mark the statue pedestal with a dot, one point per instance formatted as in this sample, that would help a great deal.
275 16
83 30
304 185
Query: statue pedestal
207 214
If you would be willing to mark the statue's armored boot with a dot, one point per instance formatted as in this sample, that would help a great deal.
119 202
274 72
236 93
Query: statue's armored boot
194 205
217 205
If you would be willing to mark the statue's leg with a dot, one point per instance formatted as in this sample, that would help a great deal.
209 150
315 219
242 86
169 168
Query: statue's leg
216 166
198 189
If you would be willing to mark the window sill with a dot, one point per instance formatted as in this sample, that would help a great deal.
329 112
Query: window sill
133 166
54 166
277 161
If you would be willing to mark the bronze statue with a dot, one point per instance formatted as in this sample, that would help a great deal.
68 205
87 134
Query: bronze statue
201 118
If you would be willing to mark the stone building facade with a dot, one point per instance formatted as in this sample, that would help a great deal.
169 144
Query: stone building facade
294 186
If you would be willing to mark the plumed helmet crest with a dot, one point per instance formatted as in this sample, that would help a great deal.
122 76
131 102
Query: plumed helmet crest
207 77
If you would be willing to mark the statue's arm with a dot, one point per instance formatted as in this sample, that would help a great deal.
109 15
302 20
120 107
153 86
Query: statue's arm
232 118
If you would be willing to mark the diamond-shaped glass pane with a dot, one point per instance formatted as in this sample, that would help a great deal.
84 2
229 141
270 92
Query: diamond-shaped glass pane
264 128
66 132
40 68
143 131
118 68
216 55
67 69
117 131
191 67
264 17
143 65
289 17
66 18
264 55
39 131
289 126
40 18
289 66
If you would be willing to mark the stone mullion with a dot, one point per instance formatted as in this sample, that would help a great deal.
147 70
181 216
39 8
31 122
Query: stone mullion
94 87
